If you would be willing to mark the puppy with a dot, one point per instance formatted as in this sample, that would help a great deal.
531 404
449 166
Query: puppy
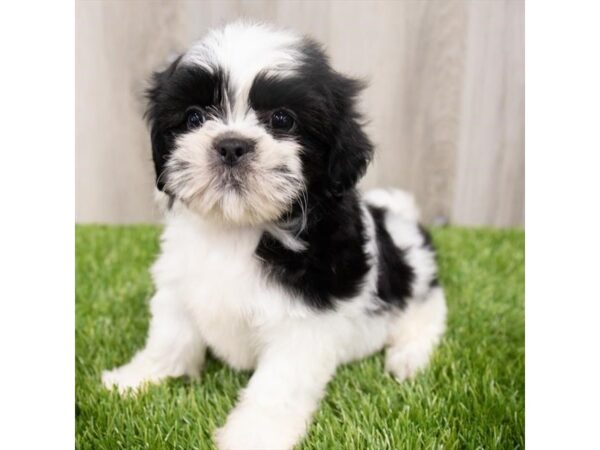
269 256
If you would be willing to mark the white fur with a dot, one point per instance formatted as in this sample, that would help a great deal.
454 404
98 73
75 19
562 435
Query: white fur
211 291
244 49
398 202
193 176
414 335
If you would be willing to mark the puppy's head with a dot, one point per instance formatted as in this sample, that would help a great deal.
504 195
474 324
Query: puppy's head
250 120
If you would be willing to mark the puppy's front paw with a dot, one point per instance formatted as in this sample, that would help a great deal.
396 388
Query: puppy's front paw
123 380
406 363
248 429
131 377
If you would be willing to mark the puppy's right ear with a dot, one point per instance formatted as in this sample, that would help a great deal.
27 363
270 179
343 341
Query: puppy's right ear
157 112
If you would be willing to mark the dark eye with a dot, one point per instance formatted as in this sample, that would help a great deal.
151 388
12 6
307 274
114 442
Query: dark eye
282 120
194 118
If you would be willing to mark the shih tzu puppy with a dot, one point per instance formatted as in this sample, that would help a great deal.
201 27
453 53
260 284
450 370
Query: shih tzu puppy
270 257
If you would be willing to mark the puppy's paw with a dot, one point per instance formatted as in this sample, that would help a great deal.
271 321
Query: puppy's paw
131 377
405 363
248 429
125 381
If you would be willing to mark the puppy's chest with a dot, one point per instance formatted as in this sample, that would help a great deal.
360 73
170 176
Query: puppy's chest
218 276
220 272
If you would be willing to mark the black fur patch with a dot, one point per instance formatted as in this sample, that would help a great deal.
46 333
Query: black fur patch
428 244
395 275
335 154
172 92
334 264
336 151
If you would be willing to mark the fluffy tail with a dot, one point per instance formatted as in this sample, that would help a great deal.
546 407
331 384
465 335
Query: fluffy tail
396 201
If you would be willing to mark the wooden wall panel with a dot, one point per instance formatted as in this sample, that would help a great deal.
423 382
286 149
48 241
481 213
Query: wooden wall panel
445 99
489 186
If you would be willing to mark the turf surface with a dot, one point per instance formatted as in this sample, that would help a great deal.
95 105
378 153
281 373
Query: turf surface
472 395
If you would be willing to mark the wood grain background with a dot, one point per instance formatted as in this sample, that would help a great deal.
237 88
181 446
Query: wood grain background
445 96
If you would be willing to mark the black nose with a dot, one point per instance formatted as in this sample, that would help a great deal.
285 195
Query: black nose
232 149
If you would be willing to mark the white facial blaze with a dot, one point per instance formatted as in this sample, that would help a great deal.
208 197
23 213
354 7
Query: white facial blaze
244 50
263 186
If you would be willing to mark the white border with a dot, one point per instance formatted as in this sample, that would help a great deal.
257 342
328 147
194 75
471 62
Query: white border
36 236
563 224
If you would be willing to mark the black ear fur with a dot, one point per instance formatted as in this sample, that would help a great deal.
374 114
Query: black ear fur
160 138
352 150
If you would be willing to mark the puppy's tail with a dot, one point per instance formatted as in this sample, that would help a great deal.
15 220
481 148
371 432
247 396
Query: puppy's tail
394 200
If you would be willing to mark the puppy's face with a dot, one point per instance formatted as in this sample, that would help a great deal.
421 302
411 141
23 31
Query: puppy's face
250 121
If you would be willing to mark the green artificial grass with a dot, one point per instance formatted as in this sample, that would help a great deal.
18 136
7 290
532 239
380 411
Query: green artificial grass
471 396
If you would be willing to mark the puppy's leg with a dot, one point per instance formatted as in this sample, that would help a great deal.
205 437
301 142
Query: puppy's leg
276 408
414 335
173 348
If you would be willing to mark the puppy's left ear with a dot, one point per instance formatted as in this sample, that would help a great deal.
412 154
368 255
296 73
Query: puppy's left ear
352 150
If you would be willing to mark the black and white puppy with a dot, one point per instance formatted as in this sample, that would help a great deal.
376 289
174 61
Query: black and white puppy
269 256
